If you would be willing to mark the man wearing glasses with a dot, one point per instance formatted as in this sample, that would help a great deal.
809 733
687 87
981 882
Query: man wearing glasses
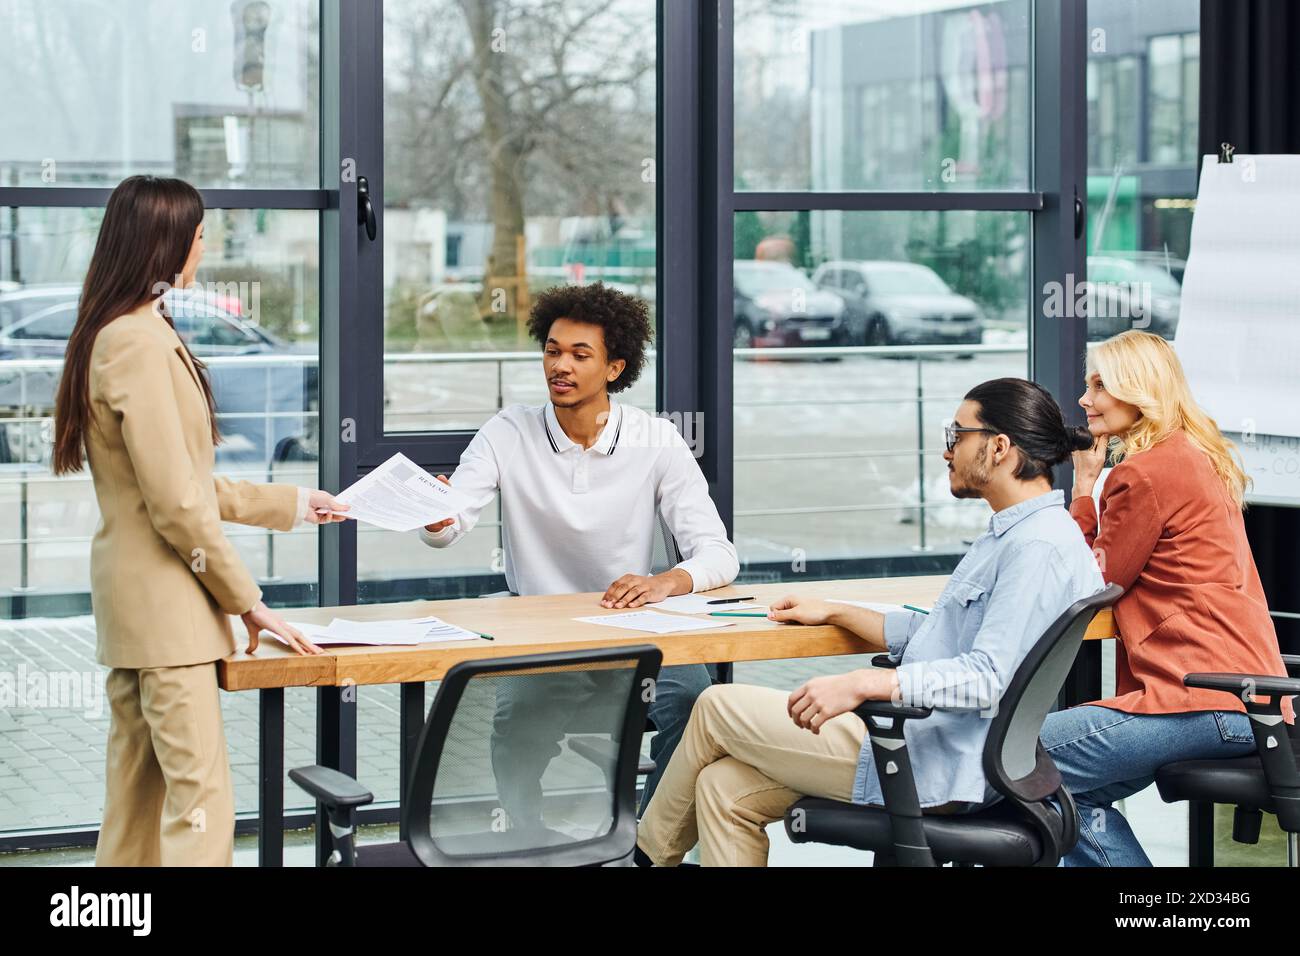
748 753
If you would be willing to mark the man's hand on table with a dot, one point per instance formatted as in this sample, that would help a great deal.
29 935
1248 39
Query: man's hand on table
634 590
865 623
797 610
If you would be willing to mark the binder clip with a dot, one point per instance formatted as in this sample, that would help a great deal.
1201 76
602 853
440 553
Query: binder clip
1225 152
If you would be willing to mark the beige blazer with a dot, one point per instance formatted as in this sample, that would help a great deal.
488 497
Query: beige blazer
163 576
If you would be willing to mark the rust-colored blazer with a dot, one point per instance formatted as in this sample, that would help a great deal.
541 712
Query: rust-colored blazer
1173 538
163 576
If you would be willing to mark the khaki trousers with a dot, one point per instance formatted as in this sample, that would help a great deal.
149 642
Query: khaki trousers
169 799
740 765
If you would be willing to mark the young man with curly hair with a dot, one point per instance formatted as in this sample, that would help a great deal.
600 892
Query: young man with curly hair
583 480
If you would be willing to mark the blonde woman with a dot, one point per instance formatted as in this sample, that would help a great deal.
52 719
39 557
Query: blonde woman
1170 531
164 579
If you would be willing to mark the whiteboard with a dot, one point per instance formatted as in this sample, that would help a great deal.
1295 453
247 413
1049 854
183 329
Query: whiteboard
1238 331
1273 464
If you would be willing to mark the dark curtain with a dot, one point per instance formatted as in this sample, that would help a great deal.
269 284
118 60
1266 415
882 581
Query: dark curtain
1274 533
1250 97
1250 81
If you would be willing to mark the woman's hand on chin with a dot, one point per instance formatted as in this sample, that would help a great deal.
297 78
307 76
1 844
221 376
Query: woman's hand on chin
1087 467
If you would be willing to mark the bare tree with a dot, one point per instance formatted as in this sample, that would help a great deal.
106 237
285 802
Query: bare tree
524 107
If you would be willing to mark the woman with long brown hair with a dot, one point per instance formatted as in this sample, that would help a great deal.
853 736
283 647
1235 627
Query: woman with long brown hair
164 579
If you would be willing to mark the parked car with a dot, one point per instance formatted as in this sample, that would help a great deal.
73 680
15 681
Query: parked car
897 303
267 408
776 305
18 302
1133 291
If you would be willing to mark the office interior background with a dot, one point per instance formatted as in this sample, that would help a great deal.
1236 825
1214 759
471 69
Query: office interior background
911 166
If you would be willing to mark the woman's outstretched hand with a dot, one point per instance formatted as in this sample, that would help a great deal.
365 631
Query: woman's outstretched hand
321 504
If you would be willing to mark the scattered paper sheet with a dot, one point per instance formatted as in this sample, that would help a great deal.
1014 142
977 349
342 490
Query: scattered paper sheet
871 605
418 630
699 604
399 495
654 622
318 634
423 630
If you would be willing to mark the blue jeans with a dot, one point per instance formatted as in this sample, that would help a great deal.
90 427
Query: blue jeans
533 716
1105 755
675 693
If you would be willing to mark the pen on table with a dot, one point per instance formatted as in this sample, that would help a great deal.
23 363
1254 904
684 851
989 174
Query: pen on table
737 614
487 637
730 600
919 610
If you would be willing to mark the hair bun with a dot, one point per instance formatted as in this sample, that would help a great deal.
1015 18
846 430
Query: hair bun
1077 438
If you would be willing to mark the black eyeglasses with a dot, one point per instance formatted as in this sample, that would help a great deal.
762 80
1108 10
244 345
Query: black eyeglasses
950 433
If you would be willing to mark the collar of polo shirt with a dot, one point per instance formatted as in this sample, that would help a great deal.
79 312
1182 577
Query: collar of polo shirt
605 444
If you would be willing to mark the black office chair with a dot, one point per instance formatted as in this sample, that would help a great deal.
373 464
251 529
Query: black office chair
455 809
1265 781
1025 828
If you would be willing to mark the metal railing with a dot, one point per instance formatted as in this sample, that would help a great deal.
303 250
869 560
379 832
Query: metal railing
35 427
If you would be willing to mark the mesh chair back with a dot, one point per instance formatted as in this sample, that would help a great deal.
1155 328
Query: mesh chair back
1014 761
666 554
494 781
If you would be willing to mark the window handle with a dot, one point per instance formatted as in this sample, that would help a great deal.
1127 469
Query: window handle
366 209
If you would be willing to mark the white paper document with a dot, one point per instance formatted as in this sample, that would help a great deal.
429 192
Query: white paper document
700 604
412 631
654 622
399 495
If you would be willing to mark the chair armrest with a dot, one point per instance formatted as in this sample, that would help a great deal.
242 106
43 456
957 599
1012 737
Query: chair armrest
331 787
1272 741
603 752
1245 687
339 795
897 783
1292 663
887 708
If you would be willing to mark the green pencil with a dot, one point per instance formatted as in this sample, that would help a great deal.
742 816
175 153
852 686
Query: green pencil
919 610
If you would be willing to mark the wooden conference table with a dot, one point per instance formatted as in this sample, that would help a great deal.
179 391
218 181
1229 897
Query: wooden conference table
519 625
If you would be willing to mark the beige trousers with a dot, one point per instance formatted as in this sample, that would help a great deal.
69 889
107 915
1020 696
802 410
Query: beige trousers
739 766
169 799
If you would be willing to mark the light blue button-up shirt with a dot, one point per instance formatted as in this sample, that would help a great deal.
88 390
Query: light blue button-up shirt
1018 577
